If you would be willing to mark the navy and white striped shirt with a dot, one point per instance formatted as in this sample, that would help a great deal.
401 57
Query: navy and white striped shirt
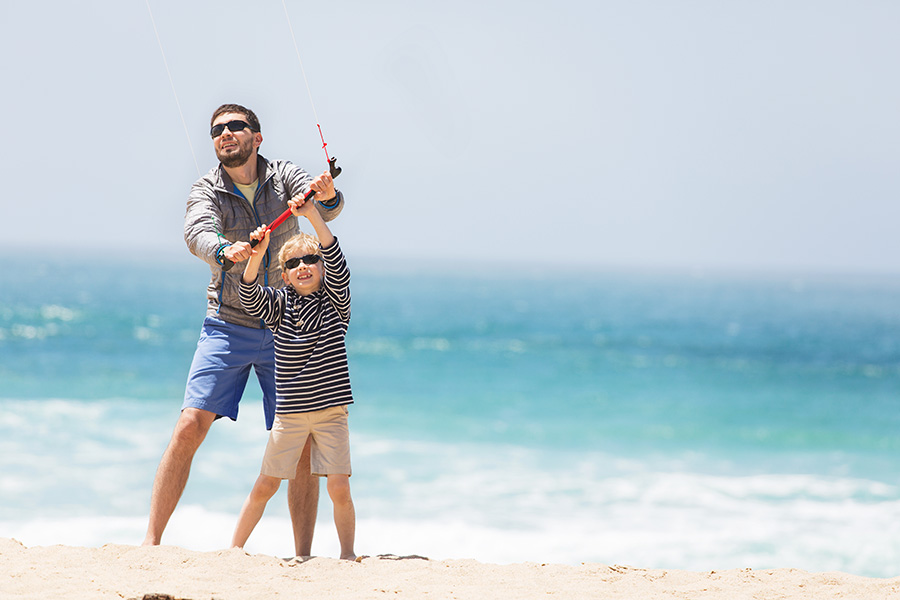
311 371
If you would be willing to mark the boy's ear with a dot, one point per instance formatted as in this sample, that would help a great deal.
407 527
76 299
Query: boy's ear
284 277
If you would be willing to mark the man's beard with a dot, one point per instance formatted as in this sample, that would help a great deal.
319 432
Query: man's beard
236 159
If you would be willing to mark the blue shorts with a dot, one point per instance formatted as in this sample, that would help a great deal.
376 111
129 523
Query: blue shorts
221 367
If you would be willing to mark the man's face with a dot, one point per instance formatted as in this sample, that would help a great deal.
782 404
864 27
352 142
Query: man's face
233 148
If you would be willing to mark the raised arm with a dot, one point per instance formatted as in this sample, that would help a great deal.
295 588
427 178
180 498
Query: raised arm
251 271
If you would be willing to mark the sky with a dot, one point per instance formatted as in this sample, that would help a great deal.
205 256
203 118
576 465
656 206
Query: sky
645 134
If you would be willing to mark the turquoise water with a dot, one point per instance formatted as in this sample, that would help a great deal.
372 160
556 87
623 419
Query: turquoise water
698 422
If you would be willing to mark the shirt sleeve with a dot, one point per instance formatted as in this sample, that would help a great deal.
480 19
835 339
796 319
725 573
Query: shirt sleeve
337 279
202 223
262 302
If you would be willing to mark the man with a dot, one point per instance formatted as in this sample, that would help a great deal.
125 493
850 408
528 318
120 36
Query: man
223 208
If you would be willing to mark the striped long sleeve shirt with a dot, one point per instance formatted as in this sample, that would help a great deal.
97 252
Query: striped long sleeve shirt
311 371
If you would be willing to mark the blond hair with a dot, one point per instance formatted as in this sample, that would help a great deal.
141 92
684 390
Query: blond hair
304 241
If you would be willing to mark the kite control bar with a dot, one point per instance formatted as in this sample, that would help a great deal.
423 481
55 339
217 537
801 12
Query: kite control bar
335 171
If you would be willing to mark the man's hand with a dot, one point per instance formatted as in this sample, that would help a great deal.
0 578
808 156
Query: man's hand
323 185
241 251
238 252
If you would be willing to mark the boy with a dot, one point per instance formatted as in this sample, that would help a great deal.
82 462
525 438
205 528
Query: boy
309 317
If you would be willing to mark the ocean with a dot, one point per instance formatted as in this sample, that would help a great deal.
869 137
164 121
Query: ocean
663 420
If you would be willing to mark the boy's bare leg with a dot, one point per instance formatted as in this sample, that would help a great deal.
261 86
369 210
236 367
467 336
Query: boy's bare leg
174 468
303 503
252 511
344 513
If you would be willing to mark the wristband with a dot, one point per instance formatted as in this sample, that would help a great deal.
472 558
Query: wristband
220 253
330 203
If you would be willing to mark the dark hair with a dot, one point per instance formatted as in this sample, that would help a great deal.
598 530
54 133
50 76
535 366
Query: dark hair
237 108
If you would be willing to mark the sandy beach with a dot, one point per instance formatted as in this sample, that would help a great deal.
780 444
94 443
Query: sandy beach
116 571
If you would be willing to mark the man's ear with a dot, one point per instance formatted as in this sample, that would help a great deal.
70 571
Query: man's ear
257 139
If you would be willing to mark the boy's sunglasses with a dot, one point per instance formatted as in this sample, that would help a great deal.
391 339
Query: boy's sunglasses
233 127
309 259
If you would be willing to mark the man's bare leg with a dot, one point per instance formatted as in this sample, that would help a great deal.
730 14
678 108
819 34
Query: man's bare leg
174 468
303 503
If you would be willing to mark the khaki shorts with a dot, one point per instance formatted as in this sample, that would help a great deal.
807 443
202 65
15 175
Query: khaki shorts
330 443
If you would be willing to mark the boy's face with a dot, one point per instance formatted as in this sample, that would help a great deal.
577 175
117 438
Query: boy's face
304 278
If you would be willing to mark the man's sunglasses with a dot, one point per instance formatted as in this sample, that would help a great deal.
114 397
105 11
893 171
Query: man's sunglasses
309 259
233 127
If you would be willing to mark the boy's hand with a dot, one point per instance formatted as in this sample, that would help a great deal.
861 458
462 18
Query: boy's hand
323 186
262 235
302 208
